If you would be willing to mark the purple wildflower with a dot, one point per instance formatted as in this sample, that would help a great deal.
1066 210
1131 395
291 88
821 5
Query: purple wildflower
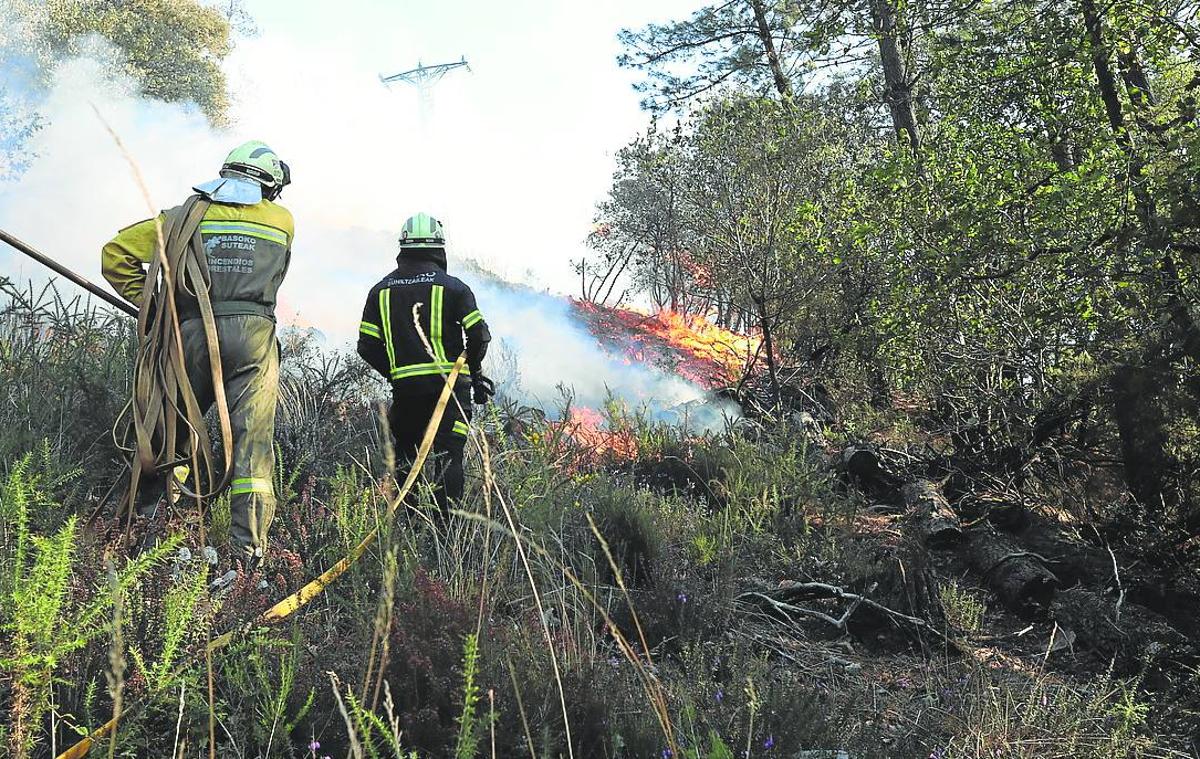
682 597
314 746
719 695
769 743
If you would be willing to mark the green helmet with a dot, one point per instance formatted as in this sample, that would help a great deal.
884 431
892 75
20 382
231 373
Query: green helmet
422 231
255 160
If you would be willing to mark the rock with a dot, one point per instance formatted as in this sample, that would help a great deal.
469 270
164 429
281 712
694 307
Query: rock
182 559
224 581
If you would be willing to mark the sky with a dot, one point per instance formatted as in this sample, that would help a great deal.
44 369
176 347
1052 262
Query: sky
513 157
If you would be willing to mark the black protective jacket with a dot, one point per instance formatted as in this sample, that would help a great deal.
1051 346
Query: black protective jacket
416 322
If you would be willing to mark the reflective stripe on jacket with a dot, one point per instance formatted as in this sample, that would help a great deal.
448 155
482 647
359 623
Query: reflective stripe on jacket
248 250
416 322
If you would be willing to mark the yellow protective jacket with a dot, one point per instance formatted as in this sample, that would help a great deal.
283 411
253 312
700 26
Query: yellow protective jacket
248 250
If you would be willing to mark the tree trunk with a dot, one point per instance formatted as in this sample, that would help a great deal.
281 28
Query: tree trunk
764 323
768 42
1105 79
898 95
1137 83
1143 439
1140 424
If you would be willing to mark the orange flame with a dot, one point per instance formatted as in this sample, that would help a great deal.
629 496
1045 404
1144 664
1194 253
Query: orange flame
706 340
690 346
588 427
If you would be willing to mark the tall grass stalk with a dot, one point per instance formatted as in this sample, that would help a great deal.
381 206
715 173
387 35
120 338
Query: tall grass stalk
537 598
116 659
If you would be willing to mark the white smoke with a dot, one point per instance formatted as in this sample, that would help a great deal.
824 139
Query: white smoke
553 347
350 196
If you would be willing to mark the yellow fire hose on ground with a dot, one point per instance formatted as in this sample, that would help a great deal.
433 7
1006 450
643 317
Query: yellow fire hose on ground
291 604
175 261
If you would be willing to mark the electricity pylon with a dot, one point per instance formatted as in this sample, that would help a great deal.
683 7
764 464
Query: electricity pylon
424 78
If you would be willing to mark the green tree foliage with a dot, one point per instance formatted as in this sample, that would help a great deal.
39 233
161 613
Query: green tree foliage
990 205
736 41
172 48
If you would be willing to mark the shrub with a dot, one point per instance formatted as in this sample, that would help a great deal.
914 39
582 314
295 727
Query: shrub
424 667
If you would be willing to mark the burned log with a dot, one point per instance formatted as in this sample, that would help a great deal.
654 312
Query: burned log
1074 562
1018 577
1001 509
865 469
1127 633
936 523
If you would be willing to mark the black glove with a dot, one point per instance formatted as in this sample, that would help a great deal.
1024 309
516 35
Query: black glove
482 389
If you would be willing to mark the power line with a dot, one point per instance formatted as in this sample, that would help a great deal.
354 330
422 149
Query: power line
424 78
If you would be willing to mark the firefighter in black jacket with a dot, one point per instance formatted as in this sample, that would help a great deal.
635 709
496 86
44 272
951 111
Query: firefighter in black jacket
417 359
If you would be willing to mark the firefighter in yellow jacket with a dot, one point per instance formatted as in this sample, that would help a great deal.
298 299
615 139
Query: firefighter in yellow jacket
247 238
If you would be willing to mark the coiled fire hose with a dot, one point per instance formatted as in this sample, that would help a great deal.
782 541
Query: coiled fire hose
161 381
160 377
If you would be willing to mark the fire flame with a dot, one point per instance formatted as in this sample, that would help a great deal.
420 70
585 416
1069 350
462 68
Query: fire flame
690 346
590 430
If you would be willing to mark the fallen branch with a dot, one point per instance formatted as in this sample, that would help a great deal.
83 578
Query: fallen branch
781 600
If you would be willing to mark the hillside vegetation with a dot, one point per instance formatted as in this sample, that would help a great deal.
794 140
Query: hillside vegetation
755 590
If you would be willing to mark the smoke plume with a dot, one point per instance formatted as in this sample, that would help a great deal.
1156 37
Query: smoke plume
69 189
